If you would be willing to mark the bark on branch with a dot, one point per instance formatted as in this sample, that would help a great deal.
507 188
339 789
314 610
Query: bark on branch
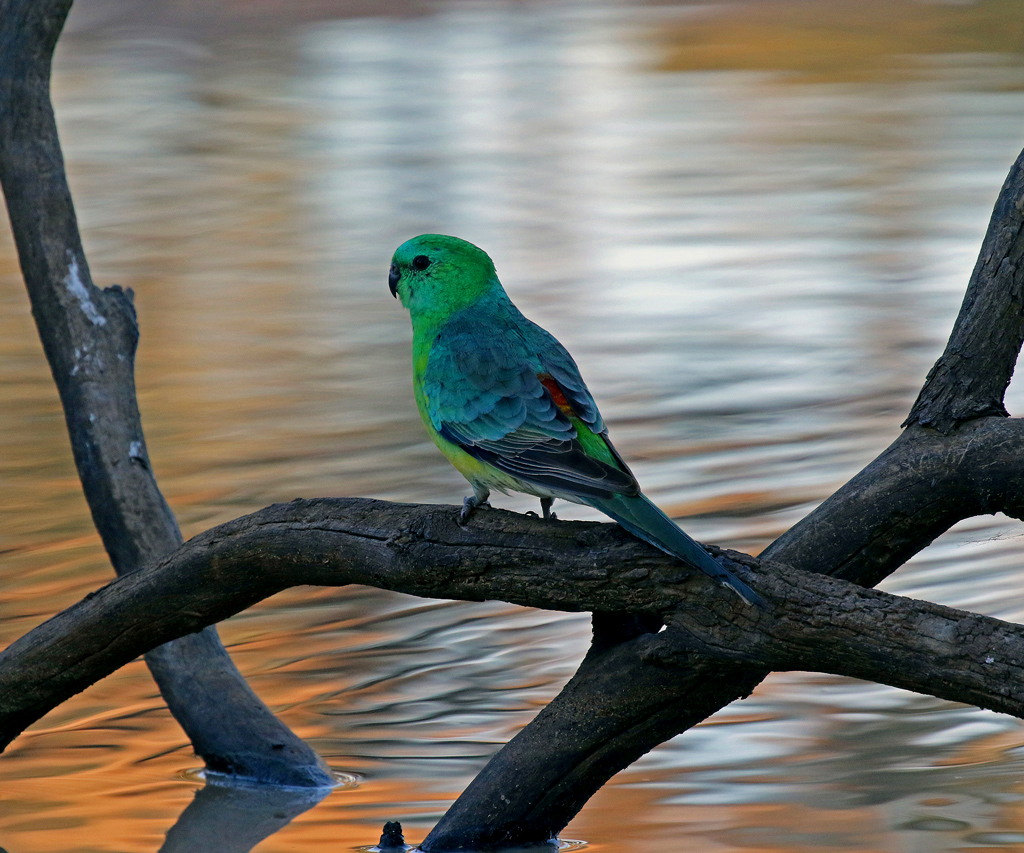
815 622
970 378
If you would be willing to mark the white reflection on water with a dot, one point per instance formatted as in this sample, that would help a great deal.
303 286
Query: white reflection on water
753 277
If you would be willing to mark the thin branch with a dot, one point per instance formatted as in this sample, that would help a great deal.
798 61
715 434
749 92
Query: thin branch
915 490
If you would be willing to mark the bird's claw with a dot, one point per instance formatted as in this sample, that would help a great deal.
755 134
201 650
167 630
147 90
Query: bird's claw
469 506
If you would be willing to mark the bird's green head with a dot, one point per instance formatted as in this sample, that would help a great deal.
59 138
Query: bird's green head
435 276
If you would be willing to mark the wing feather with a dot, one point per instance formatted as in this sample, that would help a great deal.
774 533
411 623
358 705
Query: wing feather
484 393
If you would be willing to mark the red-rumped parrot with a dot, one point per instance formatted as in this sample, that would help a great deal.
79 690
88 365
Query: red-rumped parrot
505 402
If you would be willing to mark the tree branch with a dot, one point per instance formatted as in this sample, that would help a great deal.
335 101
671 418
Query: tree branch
815 622
970 378
916 489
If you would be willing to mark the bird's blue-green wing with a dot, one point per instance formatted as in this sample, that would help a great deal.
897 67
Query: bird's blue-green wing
491 394
558 364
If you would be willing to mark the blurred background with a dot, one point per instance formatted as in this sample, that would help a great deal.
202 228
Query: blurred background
752 224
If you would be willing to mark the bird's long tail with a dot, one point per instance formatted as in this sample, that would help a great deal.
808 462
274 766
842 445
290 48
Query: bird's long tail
643 519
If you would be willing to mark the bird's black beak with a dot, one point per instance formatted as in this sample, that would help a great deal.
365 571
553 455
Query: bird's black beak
393 277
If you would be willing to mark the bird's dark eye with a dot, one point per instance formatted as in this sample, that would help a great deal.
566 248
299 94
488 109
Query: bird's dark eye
420 262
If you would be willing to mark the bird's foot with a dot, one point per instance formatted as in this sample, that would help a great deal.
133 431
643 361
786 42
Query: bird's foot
545 506
469 506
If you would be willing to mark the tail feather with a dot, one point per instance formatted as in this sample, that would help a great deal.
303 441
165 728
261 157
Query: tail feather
644 520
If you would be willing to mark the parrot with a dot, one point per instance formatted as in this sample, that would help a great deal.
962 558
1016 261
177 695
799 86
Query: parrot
504 401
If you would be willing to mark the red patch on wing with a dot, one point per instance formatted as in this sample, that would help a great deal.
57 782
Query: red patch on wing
548 381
